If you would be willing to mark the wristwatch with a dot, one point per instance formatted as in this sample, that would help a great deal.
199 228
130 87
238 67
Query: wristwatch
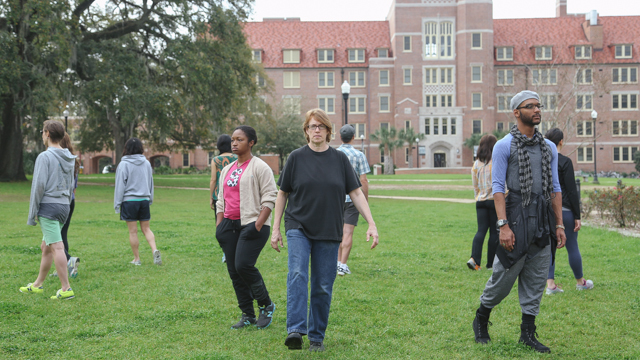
560 227
501 223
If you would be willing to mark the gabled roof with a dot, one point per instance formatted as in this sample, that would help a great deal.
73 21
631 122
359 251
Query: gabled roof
563 34
272 36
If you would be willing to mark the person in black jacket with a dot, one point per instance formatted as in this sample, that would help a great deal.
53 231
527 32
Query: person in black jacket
570 217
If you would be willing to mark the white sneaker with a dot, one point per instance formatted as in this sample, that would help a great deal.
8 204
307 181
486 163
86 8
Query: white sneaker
588 284
344 269
136 262
339 266
156 257
72 267
555 290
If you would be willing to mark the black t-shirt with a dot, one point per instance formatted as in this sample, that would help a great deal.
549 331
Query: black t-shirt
317 183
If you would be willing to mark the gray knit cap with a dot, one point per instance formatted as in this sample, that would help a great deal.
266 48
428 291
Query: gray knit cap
521 97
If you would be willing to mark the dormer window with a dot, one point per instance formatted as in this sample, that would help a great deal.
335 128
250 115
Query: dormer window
504 53
543 53
256 55
383 53
583 52
325 56
623 51
291 56
356 55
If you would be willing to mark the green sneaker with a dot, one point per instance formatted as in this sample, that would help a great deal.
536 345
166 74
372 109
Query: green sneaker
32 289
63 295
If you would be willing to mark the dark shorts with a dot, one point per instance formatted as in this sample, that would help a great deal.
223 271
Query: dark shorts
135 211
351 214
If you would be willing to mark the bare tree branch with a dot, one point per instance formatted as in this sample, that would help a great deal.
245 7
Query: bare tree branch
82 7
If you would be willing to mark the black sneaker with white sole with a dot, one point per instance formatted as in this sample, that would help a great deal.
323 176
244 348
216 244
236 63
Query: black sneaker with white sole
245 321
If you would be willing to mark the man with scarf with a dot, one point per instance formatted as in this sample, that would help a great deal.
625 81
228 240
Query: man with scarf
529 219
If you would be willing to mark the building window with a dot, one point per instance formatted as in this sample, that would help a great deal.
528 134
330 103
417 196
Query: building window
476 73
431 101
291 79
477 127
504 53
406 43
438 39
625 128
212 154
476 101
260 80
185 160
623 51
624 101
453 126
326 104
583 52
585 154
257 105
625 75
446 76
545 76
360 130
476 41
291 104
500 126
382 155
584 76
291 56
356 55
505 77
583 102
384 125
436 126
624 153
325 56
406 154
504 103
407 76
444 126
446 100
356 79
427 126
431 76
383 53
256 56
543 53
357 105
549 102
384 78
325 79
384 103
584 128
333 131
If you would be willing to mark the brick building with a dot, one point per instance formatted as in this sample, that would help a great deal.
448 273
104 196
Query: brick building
447 69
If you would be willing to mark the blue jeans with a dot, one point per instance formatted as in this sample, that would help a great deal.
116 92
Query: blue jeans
324 256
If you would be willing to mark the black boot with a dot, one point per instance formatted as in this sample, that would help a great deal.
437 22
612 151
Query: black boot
528 337
480 328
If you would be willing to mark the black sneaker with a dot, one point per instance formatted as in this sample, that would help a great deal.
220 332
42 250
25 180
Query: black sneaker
245 321
294 341
480 328
266 316
528 337
316 346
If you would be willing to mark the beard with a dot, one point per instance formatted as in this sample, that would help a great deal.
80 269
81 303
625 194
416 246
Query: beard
531 120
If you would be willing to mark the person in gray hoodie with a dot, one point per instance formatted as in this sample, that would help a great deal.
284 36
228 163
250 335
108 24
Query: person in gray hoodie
51 191
133 195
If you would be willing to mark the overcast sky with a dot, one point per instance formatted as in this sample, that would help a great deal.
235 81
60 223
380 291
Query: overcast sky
353 10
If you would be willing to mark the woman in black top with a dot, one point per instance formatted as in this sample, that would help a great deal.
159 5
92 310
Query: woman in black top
570 216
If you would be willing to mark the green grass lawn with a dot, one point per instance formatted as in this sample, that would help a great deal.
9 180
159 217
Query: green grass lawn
411 298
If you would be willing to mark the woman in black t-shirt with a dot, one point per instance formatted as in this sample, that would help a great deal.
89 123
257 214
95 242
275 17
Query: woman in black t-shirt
314 182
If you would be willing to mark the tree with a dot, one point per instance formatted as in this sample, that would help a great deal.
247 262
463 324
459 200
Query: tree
473 141
191 54
409 136
388 143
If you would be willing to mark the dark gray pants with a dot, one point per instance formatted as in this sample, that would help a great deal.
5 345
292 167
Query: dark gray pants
532 278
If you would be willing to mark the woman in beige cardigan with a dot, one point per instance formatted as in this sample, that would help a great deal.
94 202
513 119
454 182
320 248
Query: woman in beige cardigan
246 195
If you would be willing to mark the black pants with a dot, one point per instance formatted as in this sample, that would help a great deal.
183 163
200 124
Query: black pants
242 246
487 218
65 229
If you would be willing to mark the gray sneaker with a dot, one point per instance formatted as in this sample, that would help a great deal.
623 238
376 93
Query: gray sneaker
72 267
245 321
266 316
157 259
136 262
316 346
588 285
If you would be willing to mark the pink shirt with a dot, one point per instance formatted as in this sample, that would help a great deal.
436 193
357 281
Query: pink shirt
231 191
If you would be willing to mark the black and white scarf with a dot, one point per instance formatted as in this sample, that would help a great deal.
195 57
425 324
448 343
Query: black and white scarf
525 176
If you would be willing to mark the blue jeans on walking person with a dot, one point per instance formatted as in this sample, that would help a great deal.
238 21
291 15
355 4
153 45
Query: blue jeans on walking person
323 255
575 259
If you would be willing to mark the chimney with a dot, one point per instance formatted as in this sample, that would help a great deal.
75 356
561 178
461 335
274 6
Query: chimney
561 8
592 30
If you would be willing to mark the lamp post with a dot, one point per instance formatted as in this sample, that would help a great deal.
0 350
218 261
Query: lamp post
594 116
65 113
417 153
346 88
362 138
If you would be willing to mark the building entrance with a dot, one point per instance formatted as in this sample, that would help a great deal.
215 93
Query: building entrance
439 160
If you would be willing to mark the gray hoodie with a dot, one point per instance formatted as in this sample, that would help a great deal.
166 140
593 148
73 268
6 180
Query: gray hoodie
52 180
134 180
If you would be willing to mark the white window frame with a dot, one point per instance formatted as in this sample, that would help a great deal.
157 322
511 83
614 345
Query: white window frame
619 96
326 79
581 75
407 149
473 122
380 83
291 56
584 102
620 127
502 53
188 155
550 101
293 75
256 55
586 126
504 99
505 77
433 100
325 53
618 71
356 55
544 52
358 99
630 153
386 52
475 96
434 51
580 52
433 75
404 76
260 83
361 129
472 41
479 67
388 98
446 100
357 79
623 48
537 76
323 103
294 103
405 43
584 151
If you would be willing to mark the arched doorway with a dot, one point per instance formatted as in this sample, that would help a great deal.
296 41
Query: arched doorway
159 160
98 163
439 159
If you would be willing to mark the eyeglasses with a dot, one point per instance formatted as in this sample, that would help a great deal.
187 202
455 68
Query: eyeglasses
315 127
531 107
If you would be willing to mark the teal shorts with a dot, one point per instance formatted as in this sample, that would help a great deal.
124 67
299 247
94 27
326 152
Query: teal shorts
51 230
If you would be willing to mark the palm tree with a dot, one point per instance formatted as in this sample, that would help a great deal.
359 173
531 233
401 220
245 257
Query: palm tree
409 135
388 142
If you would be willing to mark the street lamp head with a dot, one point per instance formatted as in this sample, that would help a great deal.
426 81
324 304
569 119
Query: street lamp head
594 115
65 113
417 139
346 88
361 136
